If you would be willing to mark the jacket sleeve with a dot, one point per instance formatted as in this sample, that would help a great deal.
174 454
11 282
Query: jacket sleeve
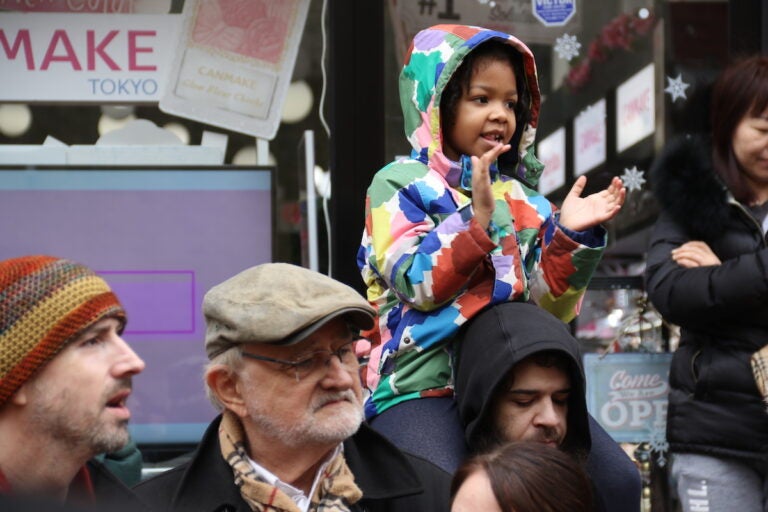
417 242
736 289
567 261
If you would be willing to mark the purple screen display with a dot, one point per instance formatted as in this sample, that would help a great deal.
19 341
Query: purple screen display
161 238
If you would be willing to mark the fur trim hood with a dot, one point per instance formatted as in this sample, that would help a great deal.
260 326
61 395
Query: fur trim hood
687 187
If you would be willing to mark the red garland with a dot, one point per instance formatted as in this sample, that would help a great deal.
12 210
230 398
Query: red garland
618 34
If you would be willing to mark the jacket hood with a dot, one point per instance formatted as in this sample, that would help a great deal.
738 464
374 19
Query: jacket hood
435 54
688 188
494 342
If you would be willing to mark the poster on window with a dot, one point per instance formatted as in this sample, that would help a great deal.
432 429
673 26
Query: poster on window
589 138
635 108
234 63
551 152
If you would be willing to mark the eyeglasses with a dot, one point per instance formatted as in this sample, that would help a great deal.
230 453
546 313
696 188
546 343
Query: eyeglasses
315 361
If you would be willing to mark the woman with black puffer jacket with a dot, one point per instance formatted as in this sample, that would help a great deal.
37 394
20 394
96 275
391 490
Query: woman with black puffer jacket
707 272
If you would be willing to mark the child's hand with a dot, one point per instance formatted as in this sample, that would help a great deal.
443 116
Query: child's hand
483 203
695 254
581 213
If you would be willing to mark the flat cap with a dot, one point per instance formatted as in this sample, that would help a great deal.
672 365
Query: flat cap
277 303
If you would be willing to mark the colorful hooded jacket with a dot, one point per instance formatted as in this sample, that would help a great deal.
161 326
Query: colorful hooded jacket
427 264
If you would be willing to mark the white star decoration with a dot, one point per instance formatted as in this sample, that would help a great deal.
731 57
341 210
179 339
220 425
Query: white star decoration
567 47
633 179
676 87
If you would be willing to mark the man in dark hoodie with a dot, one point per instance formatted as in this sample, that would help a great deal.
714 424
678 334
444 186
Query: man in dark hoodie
520 377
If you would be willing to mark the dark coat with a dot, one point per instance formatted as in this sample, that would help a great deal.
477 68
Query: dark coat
111 493
714 405
390 480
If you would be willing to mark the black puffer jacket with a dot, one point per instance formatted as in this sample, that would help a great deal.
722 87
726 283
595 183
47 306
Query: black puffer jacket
714 404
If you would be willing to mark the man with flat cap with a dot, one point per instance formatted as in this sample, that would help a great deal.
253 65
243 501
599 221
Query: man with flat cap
284 372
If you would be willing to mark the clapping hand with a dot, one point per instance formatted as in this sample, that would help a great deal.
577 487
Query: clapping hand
483 202
581 213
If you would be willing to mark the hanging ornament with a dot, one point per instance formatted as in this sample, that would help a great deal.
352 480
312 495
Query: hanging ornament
676 87
567 47
633 179
659 444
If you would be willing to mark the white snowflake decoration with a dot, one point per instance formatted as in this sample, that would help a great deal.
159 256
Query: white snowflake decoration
676 87
633 179
567 47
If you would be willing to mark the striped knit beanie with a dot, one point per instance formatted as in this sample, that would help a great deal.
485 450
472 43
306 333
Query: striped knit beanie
44 303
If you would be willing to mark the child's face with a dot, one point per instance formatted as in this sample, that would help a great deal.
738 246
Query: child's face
485 114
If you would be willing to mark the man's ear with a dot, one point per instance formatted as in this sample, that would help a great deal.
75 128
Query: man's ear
227 386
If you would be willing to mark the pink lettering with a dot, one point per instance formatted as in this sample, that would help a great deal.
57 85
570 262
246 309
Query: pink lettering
22 39
589 138
635 108
98 49
69 55
553 162
133 49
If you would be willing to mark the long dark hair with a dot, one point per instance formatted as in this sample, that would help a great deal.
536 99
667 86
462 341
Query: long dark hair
489 51
740 90
530 477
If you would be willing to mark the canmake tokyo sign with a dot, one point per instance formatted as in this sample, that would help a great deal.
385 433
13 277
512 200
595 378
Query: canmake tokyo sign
85 57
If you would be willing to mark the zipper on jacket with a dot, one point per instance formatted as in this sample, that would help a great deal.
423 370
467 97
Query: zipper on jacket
752 220
694 373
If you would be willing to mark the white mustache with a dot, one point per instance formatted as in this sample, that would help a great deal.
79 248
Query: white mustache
346 395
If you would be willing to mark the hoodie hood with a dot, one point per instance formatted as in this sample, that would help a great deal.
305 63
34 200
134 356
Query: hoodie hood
493 343
433 57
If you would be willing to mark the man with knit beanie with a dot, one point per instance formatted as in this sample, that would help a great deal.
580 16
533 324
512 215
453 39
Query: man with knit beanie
65 377
284 372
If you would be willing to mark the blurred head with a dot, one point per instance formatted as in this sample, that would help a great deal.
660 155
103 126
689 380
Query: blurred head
65 369
521 477
739 119
281 340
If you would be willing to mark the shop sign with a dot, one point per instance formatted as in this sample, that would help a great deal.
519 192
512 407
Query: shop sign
234 62
589 138
627 394
635 108
88 6
84 57
554 13
551 152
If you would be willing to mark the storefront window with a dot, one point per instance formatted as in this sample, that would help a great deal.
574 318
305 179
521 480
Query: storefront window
618 78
